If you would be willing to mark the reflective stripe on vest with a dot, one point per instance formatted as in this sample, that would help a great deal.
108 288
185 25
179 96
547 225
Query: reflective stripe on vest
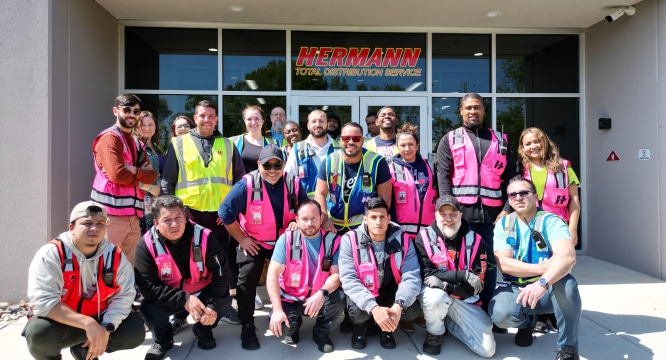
107 286
408 206
365 262
308 169
349 214
511 230
118 199
297 262
168 271
258 221
556 191
472 180
203 186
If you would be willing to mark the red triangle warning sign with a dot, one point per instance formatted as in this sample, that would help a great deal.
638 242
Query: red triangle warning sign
613 156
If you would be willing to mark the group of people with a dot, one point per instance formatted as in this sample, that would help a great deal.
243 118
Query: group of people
355 226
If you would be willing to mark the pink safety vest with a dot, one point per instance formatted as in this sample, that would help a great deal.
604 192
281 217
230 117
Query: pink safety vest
366 264
556 192
118 200
294 279
259 218
169 273
410 212
472 180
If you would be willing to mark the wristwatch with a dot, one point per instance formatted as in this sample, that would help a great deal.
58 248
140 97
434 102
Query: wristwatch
402 303
325 292
544 283
108 326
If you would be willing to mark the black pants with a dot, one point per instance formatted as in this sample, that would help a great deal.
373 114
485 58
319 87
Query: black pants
387 299
250 268
331 310
208 220
46 337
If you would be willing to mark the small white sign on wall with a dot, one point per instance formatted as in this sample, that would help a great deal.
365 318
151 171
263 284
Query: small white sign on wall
643 154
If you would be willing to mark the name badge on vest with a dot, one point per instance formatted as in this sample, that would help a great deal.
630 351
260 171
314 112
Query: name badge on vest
301 172
367 275
255 212
402 195
295 278
164 265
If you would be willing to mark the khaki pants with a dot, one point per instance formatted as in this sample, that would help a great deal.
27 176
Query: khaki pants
124 232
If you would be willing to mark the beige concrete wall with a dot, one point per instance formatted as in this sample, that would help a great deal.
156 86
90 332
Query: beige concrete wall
625 203
59 76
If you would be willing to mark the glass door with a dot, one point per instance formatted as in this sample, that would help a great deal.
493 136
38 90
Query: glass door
345 107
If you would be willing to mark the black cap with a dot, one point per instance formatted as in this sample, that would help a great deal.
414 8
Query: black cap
270 151
332 115
447 200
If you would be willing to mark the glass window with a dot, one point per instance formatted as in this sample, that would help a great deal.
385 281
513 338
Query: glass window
446 117
254 60
232 120
460 63
352 61
537 64
170 59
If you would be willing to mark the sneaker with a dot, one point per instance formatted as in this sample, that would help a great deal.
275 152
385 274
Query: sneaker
231 317
324 343
407 327
387 340
359 339
205 339
499 330
79 353
177 324
249 340
524 337
157 351
257 303
433 344
565 355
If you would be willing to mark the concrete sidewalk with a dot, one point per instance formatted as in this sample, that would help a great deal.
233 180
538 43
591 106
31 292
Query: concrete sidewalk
624 317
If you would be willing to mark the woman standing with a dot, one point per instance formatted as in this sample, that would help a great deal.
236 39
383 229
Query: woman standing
149 144
249 144
556 185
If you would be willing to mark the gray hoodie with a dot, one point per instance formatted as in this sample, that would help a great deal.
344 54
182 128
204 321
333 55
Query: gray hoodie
45 280
409 286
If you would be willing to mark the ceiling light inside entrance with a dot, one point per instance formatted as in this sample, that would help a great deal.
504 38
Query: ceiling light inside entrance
493 14
236 8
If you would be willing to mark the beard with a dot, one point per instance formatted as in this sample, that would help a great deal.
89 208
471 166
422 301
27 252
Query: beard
449 231
123 122
278 126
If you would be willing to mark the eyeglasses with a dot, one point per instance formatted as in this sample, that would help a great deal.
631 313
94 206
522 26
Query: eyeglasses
522 193
354 138
279 114
268 167
127 110
178 127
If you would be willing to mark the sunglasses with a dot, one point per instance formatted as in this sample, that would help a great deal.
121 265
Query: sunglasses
127 110
522 193
354 138
268 167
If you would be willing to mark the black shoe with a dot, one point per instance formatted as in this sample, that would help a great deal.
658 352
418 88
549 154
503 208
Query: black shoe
564 355
346 326
499 330
359 339
433 344
205 338
157 351
524 337
249 340
79 353
324 343
373 328
387 340
540 326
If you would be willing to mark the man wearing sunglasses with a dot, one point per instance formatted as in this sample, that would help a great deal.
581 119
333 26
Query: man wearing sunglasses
351 176
121 175
303 279
474 164
535 252
385 143
264 202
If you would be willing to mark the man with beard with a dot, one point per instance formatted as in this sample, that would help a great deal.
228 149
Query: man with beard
333 127
474 164
200 168
385 144
453 264
303 279
351 176
371 122
278 118
122 171
307 156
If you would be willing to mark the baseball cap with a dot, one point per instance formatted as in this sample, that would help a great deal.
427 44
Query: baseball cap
82 210
270 151
447 200
332 115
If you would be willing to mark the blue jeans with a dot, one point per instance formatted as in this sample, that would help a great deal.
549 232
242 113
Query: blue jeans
467 322
561 298
486 230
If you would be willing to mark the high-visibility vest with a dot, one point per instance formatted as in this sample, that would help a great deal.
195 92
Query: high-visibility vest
308 169
532 254
555 192
411 212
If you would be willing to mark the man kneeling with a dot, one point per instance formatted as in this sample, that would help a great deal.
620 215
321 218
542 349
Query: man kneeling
81 289
180 265
303 279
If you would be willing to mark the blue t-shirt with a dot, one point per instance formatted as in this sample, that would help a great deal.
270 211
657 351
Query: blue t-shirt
525 249
385 148
311 244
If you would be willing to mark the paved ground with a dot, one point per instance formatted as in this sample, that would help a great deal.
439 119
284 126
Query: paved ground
624 317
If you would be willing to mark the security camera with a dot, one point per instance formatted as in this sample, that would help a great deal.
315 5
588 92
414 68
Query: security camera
628 10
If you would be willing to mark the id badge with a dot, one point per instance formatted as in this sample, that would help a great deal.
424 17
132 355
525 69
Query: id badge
402 195
367 275
301 172
256 212
164 265
295 277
